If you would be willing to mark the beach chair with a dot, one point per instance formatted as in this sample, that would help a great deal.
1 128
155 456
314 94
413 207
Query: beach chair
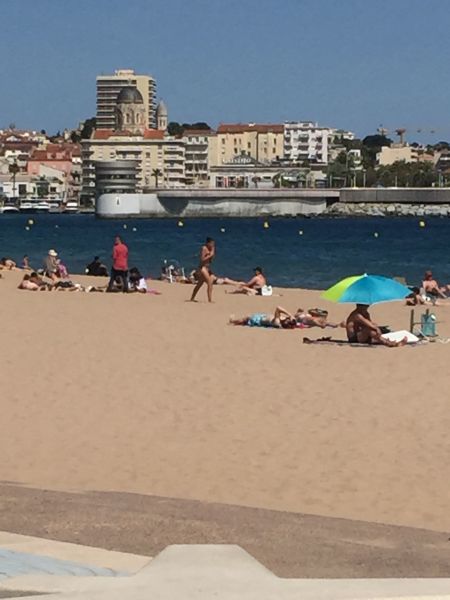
426 326
172 269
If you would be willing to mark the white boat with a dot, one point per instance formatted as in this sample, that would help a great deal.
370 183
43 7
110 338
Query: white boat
9 210
71 207
42 207
27 207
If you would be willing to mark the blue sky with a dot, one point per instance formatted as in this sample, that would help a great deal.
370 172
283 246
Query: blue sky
347 63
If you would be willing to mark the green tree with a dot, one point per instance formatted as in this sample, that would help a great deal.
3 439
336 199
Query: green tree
14 169
42 186
88 127
175 129
156 174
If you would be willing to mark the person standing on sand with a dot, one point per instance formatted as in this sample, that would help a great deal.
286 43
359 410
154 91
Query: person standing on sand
120 265
204 274
362 330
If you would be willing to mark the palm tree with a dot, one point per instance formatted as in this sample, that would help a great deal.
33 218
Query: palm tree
14 169
156 174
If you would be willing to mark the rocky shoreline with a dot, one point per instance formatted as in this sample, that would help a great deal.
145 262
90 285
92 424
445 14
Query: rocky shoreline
378 209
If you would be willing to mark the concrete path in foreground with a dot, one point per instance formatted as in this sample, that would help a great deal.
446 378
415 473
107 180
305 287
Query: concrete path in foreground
180 572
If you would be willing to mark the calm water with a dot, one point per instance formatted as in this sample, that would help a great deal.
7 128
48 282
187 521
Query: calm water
328 250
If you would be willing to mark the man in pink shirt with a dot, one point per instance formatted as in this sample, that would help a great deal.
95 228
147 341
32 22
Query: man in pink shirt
120 265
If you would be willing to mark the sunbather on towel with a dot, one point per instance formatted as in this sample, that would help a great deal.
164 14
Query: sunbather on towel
362 330
281 319
314 317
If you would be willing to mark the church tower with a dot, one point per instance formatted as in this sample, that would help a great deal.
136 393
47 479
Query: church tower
130 111
161 116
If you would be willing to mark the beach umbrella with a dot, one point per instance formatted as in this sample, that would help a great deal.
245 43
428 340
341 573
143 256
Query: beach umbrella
366 289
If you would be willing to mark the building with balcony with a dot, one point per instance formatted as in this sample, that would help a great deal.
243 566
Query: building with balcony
109 88
261 142
116 176
200 154
305 142
156 160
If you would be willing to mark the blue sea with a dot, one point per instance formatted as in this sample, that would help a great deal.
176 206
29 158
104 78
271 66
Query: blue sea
301 252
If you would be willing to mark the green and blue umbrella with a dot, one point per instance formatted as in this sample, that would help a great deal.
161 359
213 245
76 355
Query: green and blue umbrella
366 289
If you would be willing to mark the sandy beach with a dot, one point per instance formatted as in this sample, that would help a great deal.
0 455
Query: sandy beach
157 396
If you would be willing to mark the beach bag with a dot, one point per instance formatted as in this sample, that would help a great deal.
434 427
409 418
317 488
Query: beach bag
266 290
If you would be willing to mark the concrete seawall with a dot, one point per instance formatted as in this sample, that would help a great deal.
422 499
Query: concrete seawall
266 203
216 203
396 195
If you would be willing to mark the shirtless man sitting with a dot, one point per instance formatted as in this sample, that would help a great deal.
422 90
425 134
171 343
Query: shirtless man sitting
253 287
362 330
432 288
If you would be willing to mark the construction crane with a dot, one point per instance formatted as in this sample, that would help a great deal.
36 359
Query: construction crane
400 131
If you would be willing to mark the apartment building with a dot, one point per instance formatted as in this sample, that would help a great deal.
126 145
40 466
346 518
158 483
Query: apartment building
108 89
158 161
200 154
305 141
262 142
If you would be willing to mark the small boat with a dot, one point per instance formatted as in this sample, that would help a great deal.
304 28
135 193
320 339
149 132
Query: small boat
9 210
42 207
71 207
27 207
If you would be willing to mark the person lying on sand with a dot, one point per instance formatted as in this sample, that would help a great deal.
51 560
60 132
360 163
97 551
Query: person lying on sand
7 263
281 319
432 287
362 330
314 317
33 283
253 287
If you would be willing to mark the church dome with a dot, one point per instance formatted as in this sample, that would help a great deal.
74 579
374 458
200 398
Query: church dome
129 95
161 109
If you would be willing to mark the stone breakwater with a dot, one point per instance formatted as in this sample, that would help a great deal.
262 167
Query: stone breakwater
364 209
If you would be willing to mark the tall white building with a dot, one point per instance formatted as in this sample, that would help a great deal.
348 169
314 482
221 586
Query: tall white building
108 89
305 141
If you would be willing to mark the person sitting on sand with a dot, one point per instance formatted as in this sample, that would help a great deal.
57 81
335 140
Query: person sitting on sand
26 263
63 272
7 263
432 288
362 330
253 287
414 297
51 265
96 268
137 281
